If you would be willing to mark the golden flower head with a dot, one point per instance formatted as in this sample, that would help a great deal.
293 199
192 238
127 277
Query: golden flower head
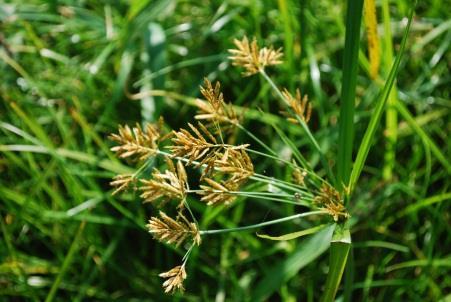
214 108
330 200
122 182
215 193
253 59
300 106
171 184
172 231
193 147
175 278
136 141
298 176
237 163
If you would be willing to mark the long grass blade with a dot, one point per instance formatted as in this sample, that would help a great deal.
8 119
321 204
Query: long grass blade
306 252
349 82
377 113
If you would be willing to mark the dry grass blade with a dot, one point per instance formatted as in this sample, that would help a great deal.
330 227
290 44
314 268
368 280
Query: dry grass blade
172 184
330 200
172 231
253 59
300 106
136 141
175 278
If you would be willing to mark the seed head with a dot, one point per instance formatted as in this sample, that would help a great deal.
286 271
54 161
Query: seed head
168 230
136 141
122 182
253 59
298 176
214 109
172 184
300 106
175 278
330 200
193 147
214 193
237 163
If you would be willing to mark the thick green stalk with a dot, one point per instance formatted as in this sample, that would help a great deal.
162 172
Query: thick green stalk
341 242
349 82
339 250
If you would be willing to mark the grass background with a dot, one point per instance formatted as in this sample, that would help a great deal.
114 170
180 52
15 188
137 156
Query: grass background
70 73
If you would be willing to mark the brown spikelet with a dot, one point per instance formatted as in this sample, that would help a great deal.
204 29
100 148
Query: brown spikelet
193 147
300 106
175 278
172 184
253 59
168 230
136 141
330 200
214 109
122 182
215 193
237 163
298 176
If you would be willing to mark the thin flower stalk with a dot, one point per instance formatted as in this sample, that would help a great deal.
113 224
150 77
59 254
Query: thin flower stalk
259 225
303 125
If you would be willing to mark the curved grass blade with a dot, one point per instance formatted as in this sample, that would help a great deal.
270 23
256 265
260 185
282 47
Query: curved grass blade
307 251
404 112
294 235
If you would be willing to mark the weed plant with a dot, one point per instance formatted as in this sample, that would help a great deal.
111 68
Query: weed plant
360 151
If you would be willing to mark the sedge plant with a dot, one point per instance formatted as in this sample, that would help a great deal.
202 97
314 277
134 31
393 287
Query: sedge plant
202 160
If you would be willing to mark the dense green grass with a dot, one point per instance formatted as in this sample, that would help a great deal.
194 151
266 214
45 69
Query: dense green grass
71 73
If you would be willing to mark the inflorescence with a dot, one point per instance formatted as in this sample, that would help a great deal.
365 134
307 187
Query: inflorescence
224 168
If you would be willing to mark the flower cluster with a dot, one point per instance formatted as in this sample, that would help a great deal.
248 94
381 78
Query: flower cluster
224 168
253 58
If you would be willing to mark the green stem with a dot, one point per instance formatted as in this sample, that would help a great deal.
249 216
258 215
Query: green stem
257 139
66 263
259 225
337 262
339 249
303 125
